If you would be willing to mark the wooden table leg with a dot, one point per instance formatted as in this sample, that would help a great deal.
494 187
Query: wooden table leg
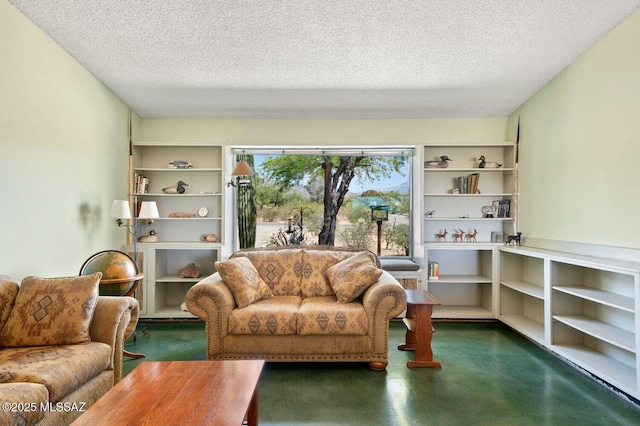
410 337
419 334
252 411
424 334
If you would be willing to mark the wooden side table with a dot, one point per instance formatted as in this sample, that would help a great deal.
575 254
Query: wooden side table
419 328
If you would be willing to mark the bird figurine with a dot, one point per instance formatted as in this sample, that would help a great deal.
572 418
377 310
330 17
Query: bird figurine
484 164
435 164
151 238
178 189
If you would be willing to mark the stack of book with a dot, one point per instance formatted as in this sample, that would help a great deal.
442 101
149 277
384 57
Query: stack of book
141 184
434 270
179 164
468 184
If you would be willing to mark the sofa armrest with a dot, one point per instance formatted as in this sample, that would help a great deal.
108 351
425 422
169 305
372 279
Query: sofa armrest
383 301
8 292
114 320
212 300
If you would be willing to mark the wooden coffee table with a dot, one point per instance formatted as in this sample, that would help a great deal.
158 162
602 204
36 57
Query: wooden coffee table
181 392
419 328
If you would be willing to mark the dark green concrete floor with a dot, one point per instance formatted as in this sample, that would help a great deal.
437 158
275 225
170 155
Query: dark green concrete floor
490 376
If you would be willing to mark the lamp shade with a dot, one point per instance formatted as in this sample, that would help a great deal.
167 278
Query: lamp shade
242 169
120 209
148 210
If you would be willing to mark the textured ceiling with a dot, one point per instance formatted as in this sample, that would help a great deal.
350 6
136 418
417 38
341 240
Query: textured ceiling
325 58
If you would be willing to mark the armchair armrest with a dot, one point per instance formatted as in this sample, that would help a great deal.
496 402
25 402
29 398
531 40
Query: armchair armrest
383 301
212 300
114 320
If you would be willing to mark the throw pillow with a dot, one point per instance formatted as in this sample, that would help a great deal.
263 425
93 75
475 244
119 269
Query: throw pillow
243 280
52 311
351 277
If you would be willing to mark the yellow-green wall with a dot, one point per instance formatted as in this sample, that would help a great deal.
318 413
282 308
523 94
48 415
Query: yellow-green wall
63 141
64 151
323 132
580 146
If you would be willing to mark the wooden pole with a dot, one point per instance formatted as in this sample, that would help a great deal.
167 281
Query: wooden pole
516 193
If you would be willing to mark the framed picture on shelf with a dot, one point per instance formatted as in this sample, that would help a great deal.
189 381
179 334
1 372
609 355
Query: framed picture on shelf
497 237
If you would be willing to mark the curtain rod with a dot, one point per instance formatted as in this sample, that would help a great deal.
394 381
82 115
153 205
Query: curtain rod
327 150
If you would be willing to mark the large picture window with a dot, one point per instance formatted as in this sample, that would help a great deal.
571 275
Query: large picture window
350 197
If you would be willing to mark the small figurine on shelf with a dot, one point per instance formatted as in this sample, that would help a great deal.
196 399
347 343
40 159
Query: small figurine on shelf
151 238
177 189
458 235
442 235
484 164
435 164
471 236
190 271
209 238
513 239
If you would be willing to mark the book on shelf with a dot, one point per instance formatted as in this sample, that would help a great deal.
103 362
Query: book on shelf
468 184
141 184
433 270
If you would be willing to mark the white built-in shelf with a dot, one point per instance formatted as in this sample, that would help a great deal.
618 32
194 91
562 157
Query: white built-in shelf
180 238
461 279
172 311
525 325
469 219
619 374
162 194
461 312
586 307
468 170
600 330
188 218
176 279
526 288
603 297
496 195
191 170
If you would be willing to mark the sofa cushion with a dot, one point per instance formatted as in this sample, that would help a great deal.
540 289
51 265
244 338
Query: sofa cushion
27 398
315 263
243 280
52 311
351 277
276 315
281 269
62 369
8 293
325 315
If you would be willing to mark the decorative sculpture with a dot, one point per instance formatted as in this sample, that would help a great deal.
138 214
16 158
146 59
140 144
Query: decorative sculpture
435 164
442 236
151 238
190 271
513 239
484 164
177 189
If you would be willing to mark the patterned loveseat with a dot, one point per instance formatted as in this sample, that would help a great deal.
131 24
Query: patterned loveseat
60 347
318 304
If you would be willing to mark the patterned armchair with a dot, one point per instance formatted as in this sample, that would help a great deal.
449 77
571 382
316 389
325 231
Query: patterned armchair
60 346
